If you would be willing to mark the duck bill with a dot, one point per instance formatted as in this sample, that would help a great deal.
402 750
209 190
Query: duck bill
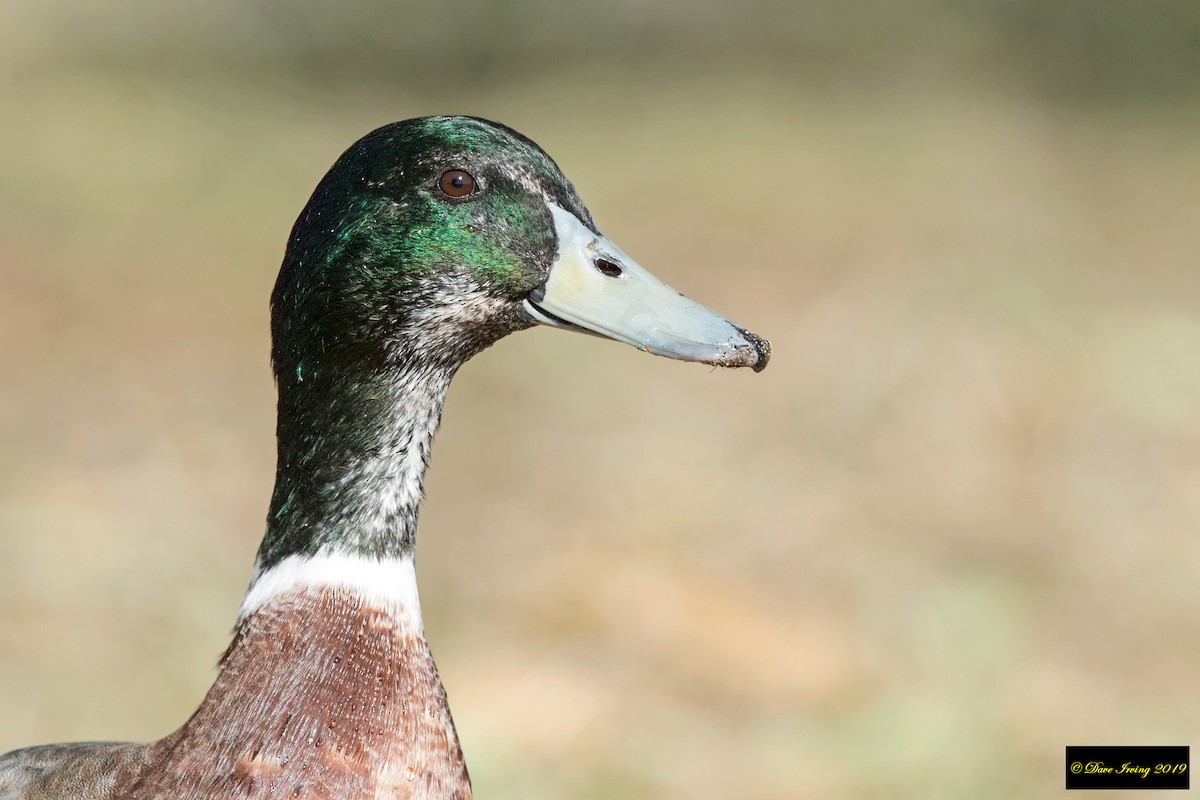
594 287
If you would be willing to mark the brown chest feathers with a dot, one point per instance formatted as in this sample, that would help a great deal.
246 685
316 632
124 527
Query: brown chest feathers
319 697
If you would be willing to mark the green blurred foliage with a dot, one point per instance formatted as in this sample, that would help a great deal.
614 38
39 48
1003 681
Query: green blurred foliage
1068 50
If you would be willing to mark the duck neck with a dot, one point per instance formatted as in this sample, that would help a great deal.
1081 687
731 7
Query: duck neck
353 449
328 688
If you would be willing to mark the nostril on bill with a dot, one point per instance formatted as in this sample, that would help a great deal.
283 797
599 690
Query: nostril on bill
609 268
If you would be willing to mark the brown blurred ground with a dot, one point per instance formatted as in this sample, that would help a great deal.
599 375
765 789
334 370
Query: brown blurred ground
950 530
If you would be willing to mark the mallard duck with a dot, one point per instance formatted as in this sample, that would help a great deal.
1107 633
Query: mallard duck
426 242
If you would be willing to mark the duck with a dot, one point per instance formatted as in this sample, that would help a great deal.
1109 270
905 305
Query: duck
427 241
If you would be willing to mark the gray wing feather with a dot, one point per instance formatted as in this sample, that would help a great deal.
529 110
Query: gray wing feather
80 771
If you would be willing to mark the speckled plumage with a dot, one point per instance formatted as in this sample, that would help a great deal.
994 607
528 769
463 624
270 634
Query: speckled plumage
319 696
328 689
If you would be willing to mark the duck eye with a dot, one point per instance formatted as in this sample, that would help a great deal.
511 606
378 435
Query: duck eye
456 183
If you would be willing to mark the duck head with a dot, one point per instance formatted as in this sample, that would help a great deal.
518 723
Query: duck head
430 239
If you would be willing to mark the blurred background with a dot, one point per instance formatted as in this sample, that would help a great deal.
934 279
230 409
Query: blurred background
952 529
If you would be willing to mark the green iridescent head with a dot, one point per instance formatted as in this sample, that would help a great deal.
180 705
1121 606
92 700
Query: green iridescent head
381 244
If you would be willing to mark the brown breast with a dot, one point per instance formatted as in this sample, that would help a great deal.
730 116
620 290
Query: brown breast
319 696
